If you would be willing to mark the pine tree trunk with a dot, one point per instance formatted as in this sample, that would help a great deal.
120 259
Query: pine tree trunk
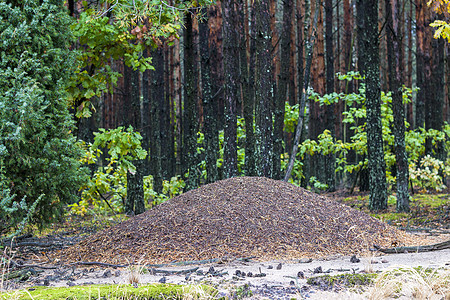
209 106
368 43
190 119
247 68
156 99
302 85
283 80
330 159
216 53
317 116
135 184
174 94
394 52
146 116
435 103
263 86
422 57
231 91
166 122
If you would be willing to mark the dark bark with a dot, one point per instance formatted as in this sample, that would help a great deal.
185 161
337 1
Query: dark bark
247 67
166 122
174 99
135 185
303 93
283 80
190 120
231 90
263 86
434 107
209 106
216 61
146 116
156 114
368 43
422 61
395 68
330 158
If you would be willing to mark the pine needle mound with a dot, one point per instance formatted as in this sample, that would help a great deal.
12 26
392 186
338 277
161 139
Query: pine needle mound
239 217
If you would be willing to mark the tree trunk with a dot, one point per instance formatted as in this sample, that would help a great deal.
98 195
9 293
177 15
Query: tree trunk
423 59
190 120
216 62
263 83
302 89
369 45
146 116
283 80
167 122
317 113
231 91
174 93
156 102
135 184
209 106
394 52
330 159
434 107
247 68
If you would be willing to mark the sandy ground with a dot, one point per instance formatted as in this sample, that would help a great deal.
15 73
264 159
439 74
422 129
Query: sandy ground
282 279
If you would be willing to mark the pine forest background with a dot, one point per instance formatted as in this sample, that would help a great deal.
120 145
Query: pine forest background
217 91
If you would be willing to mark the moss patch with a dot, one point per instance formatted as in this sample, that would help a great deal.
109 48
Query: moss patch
151 291
348 280
427 210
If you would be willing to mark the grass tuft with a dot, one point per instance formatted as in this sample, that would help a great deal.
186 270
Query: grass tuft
412 283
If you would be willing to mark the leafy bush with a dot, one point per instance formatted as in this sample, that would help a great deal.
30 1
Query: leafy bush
108 184
426 172
38 154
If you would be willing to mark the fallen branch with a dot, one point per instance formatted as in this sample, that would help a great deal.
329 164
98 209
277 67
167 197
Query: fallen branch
174 272
17 266
426 248
427 230
185 263
96 263
39 244
21 275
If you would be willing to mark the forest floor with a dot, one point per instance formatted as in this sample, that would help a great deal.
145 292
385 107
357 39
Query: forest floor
260 258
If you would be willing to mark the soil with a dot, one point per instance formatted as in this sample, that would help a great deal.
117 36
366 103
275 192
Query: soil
235 218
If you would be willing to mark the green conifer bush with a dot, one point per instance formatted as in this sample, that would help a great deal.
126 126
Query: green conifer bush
39 156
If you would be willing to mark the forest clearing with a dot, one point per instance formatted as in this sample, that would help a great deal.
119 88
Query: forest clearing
265 238
266 149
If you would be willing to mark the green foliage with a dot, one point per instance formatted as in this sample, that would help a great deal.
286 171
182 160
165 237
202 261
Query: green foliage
119 30
108 184
171 188
442 27
425 172
240 149
39 163
290 117
109 181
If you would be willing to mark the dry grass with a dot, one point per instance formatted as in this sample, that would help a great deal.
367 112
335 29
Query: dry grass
411 283
134 274
5 262
200 292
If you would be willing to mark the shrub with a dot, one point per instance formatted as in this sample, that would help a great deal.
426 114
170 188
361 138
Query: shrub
38 154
